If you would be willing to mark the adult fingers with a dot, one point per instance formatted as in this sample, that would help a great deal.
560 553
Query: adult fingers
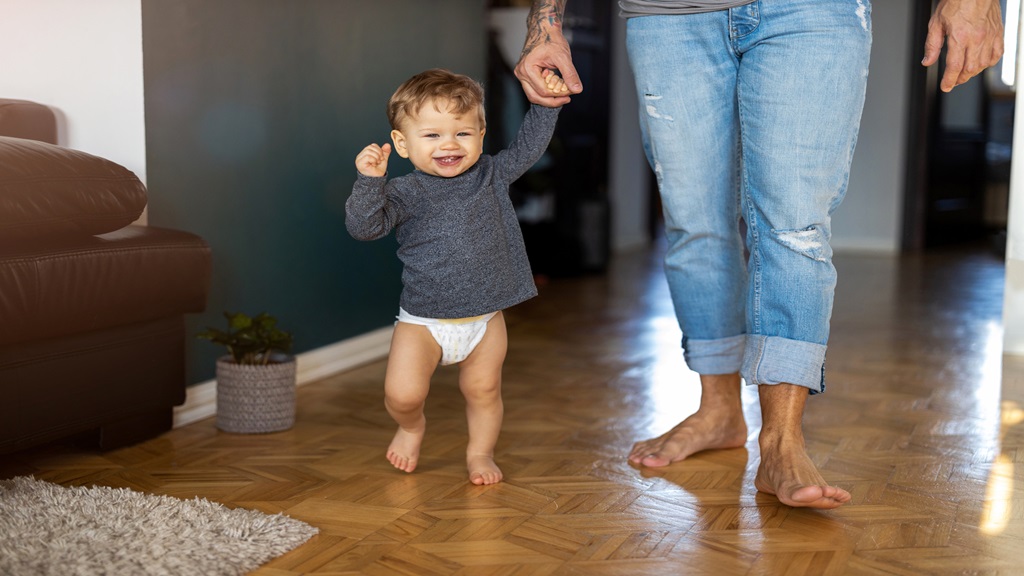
956 54
978 57
531 76
568 73
933 42
534 96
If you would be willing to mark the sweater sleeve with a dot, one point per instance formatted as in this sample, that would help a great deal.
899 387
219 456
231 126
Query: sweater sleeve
532 140
371 212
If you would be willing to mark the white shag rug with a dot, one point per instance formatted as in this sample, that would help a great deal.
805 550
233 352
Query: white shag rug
50 529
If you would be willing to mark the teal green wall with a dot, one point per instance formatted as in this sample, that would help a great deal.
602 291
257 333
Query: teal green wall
255 110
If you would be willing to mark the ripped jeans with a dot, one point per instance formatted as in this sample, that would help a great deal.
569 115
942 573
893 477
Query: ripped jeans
752 113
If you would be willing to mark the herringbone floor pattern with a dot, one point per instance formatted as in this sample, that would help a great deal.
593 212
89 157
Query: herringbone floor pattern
920 423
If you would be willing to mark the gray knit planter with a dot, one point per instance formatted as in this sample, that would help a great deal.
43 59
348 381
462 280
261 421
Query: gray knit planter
256 399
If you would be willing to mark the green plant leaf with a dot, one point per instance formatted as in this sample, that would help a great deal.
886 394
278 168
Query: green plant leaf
250 340
238 321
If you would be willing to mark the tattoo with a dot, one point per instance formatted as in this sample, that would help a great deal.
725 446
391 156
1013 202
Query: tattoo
544 15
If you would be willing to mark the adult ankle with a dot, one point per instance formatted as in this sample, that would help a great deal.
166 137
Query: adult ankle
775 438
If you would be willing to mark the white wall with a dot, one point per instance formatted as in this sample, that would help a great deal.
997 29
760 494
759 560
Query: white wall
871 216
1013 296
84 60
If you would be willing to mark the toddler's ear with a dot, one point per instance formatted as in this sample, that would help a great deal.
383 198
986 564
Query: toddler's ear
399 139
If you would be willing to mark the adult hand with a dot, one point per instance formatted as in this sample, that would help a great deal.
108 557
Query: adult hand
545 51
973 33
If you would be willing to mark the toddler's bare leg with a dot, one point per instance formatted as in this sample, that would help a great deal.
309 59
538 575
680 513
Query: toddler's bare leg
414 356
480 382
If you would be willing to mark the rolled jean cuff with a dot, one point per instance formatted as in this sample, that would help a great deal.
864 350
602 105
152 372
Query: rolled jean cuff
718 356
776 360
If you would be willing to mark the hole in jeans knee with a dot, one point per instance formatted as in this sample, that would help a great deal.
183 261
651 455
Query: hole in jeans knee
810 242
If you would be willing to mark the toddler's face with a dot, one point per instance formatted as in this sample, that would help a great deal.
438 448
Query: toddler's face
438 142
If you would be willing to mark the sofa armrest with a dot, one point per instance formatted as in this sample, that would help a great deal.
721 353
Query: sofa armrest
48 190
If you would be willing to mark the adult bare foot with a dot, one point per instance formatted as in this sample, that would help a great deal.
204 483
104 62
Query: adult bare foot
785 469
404 451
701 431
788 473
717 424
483 470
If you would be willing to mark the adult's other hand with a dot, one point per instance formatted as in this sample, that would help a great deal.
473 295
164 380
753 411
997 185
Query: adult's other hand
973 33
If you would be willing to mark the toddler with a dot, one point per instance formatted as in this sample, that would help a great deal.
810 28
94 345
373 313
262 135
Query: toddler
462 252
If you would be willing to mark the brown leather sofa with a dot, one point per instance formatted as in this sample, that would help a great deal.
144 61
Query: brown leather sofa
92 309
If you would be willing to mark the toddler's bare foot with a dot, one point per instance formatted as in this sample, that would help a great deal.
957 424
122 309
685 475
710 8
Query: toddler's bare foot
404 451
707 429
788 472
483 470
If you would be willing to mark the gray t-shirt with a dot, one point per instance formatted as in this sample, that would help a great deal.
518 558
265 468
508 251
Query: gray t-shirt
631 8
459 241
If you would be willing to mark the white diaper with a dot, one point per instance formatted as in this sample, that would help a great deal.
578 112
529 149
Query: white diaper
457 337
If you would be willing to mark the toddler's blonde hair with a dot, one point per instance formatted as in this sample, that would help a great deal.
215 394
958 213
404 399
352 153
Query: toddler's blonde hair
461 93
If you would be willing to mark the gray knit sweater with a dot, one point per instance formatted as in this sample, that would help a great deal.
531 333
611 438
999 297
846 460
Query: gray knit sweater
459 240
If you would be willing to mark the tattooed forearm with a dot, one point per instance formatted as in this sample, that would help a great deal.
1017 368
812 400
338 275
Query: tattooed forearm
549 11
544 15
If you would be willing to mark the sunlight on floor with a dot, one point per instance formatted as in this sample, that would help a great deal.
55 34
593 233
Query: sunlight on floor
998 507
674 389
989 388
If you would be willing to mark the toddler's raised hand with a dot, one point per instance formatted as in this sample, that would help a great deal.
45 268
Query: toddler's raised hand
373 160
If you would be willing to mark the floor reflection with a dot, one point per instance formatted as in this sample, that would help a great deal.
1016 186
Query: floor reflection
673 389
988 386
999 494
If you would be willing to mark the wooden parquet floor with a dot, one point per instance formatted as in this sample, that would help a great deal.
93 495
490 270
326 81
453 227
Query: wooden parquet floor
921 422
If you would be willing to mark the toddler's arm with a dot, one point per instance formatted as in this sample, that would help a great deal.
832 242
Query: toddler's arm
369 212
530 143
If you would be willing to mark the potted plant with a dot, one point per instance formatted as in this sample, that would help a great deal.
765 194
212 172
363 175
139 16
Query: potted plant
256 378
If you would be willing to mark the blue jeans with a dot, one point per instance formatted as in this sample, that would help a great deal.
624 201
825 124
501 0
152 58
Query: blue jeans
752 113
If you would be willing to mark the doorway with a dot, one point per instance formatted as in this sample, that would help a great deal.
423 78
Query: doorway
959 144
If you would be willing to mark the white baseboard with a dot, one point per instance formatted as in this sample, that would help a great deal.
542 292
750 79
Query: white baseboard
201 399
